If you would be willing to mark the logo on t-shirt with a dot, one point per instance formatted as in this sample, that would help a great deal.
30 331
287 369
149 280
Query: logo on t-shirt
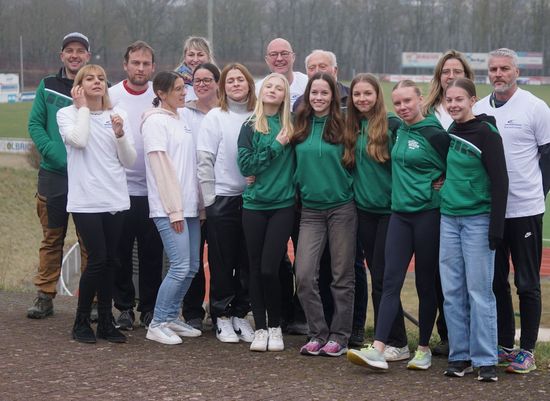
413 144
512 124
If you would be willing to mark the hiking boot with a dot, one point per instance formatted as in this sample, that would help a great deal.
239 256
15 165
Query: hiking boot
487 374
106 329
523 363
125 320
369 357
458 368
422 360
442 348
82 331
357 337
394 354
41 307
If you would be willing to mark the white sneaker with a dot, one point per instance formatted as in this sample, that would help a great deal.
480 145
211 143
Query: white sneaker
260 341
182 329
162 334
275 339
393 354
243 329
224 331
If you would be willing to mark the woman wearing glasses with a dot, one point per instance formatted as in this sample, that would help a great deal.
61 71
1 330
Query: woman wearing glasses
205 84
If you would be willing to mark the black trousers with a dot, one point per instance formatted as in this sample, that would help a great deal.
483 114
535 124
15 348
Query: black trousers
227 258
267 233
410 233
100 233
523 242
372 232
194 298
138 226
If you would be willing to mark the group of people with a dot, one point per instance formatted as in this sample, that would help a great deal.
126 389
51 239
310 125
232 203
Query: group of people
202 155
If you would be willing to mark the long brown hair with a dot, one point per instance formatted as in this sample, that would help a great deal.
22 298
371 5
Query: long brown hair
334 128
249 79
435 95
377 144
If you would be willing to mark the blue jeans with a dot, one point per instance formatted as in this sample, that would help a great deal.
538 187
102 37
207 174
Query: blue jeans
182 250
466 265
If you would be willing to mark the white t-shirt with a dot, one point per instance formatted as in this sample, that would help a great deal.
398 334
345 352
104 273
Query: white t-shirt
134 105
193 119
218 135
443 116
297 87
165 133
97 180
524 124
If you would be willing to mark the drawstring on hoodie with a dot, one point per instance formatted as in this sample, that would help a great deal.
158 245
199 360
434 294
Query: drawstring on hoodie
320 136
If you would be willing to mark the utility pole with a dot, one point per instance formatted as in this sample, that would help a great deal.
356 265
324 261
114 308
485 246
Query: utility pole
21 63
210 22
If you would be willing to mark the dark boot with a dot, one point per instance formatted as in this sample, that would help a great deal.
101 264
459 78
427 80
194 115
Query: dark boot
82 332
41 307
106 329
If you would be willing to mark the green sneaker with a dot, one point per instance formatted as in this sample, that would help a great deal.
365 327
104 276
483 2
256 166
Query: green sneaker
422 360
369 357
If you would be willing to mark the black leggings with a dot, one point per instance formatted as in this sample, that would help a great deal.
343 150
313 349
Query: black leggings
410 233
100 233
266 233
372 230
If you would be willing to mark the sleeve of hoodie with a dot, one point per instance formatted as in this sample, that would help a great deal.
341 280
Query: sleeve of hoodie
440 141
208 142
253 160
492 157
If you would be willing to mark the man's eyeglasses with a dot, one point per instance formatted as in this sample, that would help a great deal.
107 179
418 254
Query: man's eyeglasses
204 81
283 54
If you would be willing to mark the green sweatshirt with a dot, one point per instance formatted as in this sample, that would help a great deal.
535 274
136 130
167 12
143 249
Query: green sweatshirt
371 179
53 93
271 163
418 158
322 180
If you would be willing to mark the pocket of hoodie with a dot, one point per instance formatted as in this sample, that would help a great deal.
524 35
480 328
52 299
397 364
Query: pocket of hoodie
462 193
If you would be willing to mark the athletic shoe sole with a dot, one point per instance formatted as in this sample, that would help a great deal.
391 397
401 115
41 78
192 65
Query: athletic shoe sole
304 351
487 379
162 340
510 369
38 315
402 357
358 359
339 353
451 373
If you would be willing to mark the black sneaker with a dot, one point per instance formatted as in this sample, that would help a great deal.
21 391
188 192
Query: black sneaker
442 348
357 337
82 332
487 374
195 323
145 319
42 306
106 329
458 368
125 320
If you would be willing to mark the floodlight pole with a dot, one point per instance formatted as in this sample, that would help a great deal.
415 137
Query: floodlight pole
21 62
210 22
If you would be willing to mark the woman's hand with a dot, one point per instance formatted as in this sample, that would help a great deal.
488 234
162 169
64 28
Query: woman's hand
251 179
282 137
118 125
177 226
79 99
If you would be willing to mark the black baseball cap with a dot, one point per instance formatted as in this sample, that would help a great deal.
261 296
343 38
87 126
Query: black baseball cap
76 37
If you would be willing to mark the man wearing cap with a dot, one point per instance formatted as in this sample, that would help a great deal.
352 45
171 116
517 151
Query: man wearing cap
53 93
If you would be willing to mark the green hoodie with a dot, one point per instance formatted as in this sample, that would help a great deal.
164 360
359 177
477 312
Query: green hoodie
418 158
322 180
371 179
271 163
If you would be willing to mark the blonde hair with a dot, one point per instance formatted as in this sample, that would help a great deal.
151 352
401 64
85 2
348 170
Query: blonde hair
87 69
199 43
259 118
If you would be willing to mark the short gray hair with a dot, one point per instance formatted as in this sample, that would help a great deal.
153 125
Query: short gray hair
505 52
329 54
